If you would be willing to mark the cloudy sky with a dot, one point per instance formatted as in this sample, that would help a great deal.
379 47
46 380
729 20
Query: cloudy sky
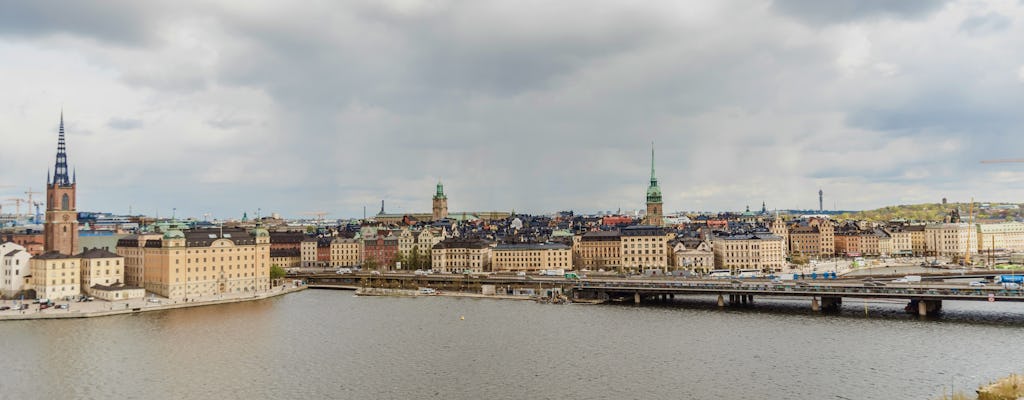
224 107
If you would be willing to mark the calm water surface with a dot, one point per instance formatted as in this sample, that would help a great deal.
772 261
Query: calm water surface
329 344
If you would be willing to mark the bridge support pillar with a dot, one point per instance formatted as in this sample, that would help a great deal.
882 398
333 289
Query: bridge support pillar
721 301
928 306
636 298
814 304
750 298
743 299
831 303
672 296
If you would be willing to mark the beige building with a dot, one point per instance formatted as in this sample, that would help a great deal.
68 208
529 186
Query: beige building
814 239
204 262
460 255
918 246
780 229
759 251
950 239
100 267
346 252
598 250
1006 236
55 275
531 257
644 247
307 252
698 259
134 256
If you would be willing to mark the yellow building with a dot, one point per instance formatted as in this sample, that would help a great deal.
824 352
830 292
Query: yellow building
100 267
55 275
131 248
531 257
950 239
598 250
816 238
346 252
644 247
758 251
460 255
1006 236
204 262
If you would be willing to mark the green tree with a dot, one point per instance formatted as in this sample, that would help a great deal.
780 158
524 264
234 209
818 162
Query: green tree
414 258
276 272
370 264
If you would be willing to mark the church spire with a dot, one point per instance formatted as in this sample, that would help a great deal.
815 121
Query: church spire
60 172
653 179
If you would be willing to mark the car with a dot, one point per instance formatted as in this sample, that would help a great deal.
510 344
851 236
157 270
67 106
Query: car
153 300
343 271
977 284
43 306
520 273
62 307
5 308
374 272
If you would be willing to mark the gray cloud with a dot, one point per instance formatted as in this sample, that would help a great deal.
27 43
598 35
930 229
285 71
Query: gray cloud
842 11
124 124
533 108
121 21
991 22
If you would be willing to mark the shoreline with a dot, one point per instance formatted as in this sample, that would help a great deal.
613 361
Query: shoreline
144 307
414 293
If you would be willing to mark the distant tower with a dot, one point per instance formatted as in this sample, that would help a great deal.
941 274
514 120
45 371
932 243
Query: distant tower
821 200
440 208
61 227
653 197
764 208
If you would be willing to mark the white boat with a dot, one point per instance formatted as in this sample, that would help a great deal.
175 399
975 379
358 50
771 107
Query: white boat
427 291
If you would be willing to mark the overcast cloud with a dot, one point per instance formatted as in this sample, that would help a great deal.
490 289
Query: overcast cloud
225 107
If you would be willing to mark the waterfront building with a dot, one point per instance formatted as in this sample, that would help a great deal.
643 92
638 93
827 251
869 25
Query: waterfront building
61 225
1002 237
14 269
760 251
285 258
346 252
307 252
55 275
598 250
816 238
380 251
654 211
902 241
203 262
135 256
697 257
459 255
440 204
102 276
918 246
951 239
644 247
531 257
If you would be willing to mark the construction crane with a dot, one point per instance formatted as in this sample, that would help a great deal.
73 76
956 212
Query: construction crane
17 205
31 192
38 215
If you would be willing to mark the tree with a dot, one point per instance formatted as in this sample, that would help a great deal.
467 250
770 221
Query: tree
370 264
276 273
414 258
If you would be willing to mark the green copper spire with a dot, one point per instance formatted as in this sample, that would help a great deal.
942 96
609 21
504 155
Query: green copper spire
653 191
440 192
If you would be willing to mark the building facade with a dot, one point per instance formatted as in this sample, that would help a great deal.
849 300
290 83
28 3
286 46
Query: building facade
699 259
531 257
461 255
346 252
204 262
55 275
644 247
760 251
598 250
1001 237
950 239
101 268
14 269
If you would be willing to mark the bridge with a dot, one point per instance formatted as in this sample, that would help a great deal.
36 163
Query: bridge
924 297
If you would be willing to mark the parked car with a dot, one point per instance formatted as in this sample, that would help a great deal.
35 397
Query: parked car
5 308
978 284
62 306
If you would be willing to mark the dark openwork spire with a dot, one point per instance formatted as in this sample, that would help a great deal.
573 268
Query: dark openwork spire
60 172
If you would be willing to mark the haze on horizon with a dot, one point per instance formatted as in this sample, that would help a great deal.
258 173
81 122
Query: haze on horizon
228 106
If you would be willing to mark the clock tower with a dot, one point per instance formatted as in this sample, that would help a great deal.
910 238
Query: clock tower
61 227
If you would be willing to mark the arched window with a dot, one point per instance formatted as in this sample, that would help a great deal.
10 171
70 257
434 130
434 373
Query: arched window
65 202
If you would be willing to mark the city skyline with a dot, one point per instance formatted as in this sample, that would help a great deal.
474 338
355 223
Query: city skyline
228 108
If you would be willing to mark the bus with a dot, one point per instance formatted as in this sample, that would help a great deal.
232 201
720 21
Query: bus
749 273
720 273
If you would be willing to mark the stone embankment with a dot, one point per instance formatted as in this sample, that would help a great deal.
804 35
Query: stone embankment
103 308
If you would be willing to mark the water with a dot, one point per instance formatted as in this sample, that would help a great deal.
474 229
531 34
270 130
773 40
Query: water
329 344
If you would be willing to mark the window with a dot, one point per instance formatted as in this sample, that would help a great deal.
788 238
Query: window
65 203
